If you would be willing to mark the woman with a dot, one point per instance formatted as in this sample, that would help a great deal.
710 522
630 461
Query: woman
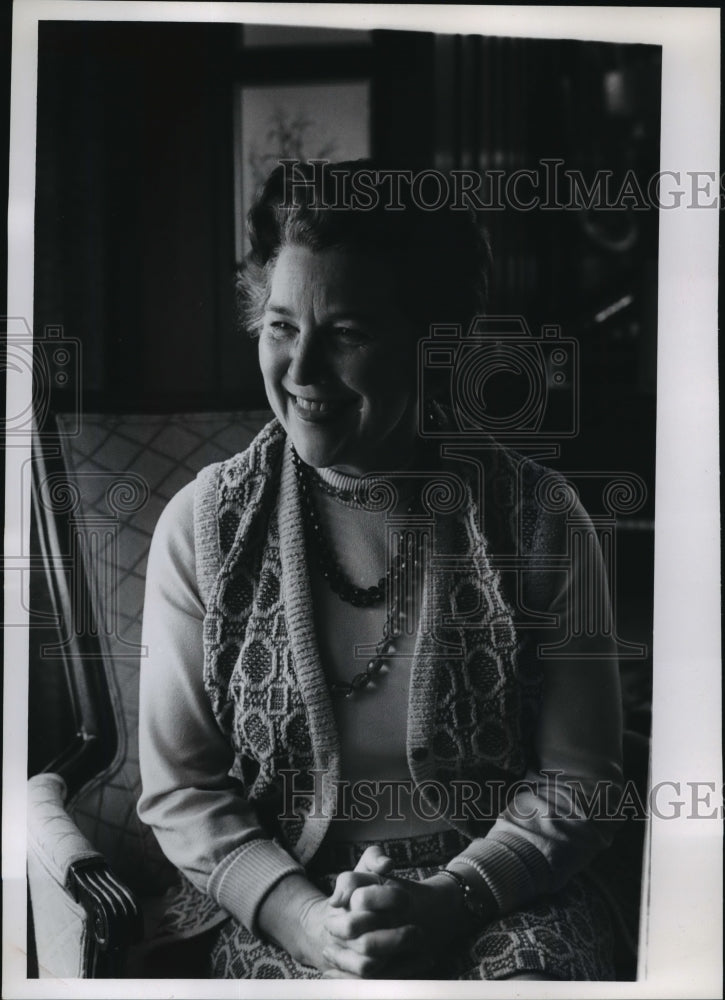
349 741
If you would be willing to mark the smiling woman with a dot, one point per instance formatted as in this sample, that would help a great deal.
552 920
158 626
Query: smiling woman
348 732
341 298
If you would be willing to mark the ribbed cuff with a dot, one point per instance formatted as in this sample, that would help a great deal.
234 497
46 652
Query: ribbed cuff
513 869
242 880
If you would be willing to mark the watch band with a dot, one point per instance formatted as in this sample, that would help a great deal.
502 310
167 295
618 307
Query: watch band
471 903
480 871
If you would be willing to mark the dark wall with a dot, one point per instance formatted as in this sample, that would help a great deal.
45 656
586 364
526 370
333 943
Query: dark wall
514 105
135 197
134 229
135 192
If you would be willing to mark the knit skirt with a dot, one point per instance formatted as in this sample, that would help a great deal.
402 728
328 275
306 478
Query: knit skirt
566 935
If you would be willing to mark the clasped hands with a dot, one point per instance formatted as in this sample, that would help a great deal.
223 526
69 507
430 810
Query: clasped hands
374 926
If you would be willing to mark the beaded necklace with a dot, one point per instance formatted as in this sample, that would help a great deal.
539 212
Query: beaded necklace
405 561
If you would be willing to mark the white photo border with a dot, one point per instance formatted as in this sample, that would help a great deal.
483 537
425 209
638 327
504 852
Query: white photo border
683 934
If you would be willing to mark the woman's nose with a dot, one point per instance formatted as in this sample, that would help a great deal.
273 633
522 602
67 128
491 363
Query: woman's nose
307 359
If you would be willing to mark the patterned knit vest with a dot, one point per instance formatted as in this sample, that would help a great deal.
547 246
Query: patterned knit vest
473 704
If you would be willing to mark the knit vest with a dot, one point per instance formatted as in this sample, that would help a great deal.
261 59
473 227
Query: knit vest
472 702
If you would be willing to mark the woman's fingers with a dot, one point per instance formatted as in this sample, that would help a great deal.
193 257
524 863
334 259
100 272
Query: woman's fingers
390 896
345 924
347 883
375 861
349 963
387 942
365 956
370 870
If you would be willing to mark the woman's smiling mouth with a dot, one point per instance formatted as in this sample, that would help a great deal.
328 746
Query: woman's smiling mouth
317 409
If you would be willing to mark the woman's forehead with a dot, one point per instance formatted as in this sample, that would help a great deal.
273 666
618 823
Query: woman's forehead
333 278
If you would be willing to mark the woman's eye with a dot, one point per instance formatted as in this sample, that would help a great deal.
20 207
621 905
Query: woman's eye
280 328
351 333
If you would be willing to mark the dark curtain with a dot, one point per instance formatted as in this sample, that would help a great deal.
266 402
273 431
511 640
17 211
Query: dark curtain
134 233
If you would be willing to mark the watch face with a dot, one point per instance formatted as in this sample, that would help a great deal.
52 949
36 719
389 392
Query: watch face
470 902
473 905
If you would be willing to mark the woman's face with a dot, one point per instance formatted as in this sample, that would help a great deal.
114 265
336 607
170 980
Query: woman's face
339 361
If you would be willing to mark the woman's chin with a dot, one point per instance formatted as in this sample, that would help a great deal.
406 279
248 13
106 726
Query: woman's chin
340 443
319 444
313 451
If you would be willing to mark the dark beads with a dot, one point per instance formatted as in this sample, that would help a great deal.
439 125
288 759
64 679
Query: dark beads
393 583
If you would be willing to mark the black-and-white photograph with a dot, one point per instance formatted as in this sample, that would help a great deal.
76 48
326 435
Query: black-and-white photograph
339 491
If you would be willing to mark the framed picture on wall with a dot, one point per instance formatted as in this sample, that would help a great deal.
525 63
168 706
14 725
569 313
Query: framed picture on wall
327 120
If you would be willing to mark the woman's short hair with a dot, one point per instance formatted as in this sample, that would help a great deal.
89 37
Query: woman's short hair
439 255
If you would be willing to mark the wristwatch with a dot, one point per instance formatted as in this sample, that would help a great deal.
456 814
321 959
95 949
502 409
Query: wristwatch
472 903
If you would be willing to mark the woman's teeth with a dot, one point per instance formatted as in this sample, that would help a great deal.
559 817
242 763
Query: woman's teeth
315 405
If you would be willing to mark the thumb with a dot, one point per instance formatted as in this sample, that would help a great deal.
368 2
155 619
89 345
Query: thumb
375 861
370 869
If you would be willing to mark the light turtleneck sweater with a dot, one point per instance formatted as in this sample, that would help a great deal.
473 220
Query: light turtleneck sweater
372 724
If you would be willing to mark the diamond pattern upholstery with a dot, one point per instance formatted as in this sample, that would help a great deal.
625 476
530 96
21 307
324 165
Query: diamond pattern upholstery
121 470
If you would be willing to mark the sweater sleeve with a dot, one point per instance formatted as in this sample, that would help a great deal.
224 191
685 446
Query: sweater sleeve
556 823
198 813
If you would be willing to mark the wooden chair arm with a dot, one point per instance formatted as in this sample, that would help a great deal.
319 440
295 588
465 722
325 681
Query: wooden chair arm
64 861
